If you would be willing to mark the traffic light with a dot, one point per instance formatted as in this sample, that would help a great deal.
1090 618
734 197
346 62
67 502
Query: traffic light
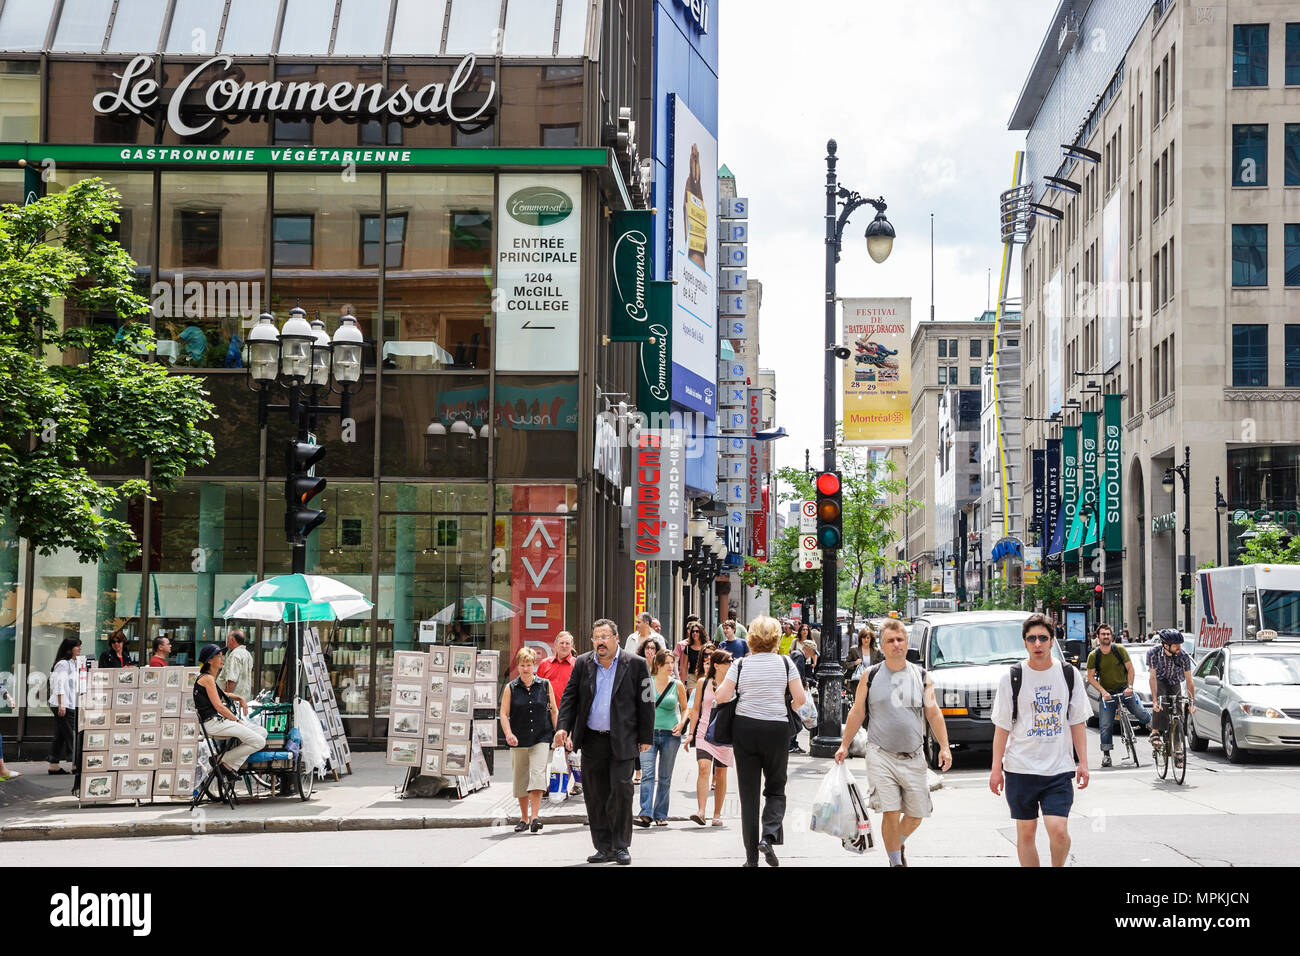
299 488
1096 596
830 511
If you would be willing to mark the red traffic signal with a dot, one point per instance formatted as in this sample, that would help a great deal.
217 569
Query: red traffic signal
828 483
830 530
1098 589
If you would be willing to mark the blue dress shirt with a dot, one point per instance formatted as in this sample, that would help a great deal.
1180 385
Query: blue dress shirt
598 716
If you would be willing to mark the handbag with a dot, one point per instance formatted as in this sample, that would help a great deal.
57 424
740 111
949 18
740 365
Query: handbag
791 715
723 719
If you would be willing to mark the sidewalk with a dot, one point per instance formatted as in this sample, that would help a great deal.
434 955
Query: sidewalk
37 806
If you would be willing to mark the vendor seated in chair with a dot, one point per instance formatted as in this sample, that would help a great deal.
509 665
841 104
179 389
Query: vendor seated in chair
218 714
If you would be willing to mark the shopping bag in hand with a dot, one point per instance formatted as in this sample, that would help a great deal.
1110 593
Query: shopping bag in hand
558 791
863 841
808 713
832 809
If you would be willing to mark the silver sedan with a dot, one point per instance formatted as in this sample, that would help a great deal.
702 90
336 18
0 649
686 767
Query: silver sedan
1247 699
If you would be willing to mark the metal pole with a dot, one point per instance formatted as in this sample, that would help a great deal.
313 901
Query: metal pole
829 674
1218 526
1187 537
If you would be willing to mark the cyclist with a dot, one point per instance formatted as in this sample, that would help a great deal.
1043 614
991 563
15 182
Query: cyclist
1111 672
1169 666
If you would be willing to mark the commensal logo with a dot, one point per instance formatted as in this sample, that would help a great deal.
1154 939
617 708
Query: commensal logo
76 909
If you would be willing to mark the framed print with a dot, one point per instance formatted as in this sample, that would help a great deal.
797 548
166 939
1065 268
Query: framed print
433 738
409 665
95 719
169 730
123 718
95 699
152 676
408 696
135 785
455 760
404 723
124 699
95 740
150 697
124 677
435 709
120 760
146 760
438 657
167 756
437 685
183 783
403 753
485 696
122 739
162 783
98 787
171 705
174 678
460 700
485 732
92 763
147 718
485 667
432 763
462 663
189 730
99 679
458 729
187 705
308 669
146 739
191 677
186 755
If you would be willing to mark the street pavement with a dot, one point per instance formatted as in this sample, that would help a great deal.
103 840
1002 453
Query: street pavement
1223 815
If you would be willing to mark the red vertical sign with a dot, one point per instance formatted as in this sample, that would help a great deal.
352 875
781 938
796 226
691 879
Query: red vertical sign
639 588
758 531
537 570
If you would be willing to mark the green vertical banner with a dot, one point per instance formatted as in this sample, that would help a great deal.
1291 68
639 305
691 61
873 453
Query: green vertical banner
630 274
654 367
1070 485
33 184
1088 479
1112 487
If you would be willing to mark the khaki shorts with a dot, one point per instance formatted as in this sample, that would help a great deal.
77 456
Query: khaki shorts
532 768
898 784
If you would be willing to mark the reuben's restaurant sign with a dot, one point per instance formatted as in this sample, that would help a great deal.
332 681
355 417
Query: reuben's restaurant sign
138 91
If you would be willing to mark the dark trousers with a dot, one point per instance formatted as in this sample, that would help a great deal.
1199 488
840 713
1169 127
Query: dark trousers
607 791
65 736
762 753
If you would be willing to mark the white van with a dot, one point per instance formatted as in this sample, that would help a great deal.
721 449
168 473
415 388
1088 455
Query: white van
1236 603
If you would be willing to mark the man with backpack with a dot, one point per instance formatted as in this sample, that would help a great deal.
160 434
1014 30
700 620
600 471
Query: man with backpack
1040 713
894 700
1111 672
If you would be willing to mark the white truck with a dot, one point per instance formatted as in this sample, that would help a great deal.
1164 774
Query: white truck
1236 603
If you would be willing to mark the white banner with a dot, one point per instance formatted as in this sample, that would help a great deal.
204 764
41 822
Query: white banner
539 272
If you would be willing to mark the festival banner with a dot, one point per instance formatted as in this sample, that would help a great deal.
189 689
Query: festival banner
1113 488
877 376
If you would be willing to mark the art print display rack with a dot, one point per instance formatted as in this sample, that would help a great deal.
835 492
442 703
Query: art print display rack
320 691
442 714
138 735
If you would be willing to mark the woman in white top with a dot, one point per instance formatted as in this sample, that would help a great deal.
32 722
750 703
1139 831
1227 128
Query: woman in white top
63 702
761 735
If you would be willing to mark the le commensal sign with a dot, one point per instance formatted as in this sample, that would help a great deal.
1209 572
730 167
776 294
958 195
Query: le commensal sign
138 92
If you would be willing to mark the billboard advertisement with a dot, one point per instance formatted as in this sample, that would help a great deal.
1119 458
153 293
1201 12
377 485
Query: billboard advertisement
878 373
1054 314
1112 300
692 261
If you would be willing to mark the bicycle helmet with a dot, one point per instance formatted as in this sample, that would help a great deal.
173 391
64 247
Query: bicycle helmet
1171 635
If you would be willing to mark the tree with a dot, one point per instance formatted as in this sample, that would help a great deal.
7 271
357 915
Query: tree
1270 544
73 397
1053 592
777 575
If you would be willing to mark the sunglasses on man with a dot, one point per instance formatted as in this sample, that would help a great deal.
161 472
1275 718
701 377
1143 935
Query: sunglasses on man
1038 638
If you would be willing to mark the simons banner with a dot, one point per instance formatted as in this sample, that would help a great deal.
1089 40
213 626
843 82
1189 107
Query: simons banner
1114 533
877 375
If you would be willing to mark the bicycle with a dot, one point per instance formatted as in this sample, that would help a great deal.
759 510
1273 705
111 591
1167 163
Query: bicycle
1126 727
1174 741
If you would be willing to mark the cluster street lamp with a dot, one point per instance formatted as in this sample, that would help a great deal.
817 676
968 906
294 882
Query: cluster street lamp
880 242
1184 579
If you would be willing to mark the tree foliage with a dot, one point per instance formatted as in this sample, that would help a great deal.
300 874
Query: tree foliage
1053 592
74 399
1271 544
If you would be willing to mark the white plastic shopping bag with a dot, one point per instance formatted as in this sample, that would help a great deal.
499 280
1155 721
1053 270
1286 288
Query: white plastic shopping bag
561 779
808 713
832 809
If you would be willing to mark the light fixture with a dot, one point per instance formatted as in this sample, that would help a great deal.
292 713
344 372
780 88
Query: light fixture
296 340
1220 505
880 238
347 343
1167 482
320 355
264 349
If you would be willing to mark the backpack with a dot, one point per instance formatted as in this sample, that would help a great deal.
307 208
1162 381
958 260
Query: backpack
1121 655
1018 678
871 675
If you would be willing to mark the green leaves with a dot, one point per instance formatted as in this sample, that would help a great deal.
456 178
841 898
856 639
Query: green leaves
76 396
1271 544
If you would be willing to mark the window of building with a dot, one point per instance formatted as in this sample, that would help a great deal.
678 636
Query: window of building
136 26
1250 154
1291 154
975 375
1173 56
943 348
307 27
952 349
200 237
363 24
1250 54
291 240
82 26
474 27
394 239
1250 255
250 27
1291 253
1292 356
530 28
1293 54
943 375
1250 356
975 346
196 24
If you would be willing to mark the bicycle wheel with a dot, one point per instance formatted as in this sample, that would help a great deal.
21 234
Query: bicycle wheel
1178 737
1130 742
1161 756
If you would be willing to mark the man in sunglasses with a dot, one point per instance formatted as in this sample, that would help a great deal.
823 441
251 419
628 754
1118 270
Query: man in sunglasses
1035 741
1168 666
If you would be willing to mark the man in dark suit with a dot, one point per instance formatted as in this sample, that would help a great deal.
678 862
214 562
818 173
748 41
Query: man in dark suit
608 713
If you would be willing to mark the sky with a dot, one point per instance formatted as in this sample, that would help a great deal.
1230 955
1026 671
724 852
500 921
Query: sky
917 95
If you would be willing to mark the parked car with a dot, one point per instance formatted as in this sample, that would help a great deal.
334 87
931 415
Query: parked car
1247 699
965 654
1137 653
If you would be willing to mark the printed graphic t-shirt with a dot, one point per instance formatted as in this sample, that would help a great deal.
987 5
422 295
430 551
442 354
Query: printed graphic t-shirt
1040 740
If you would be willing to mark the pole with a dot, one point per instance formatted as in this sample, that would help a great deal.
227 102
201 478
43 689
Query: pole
1187 538
829 673
931 267
1218 526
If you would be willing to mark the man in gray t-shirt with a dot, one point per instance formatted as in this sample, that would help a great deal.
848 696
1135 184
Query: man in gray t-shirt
899 704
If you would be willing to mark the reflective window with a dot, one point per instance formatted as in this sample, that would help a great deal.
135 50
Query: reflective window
536 422
1291 154
1250 154
530 28
1292 356
83 24
215 130
573 28
1292 54
1250 356
475 27
136 26
418 27
438 303
393 240
71 87
306 129
1250 54
541 105
434 425
291 240
353 458
12 564
1291 251
363 24
196 25
23 25
1250 255
236 438
307 26
20 101
250 27
480 89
